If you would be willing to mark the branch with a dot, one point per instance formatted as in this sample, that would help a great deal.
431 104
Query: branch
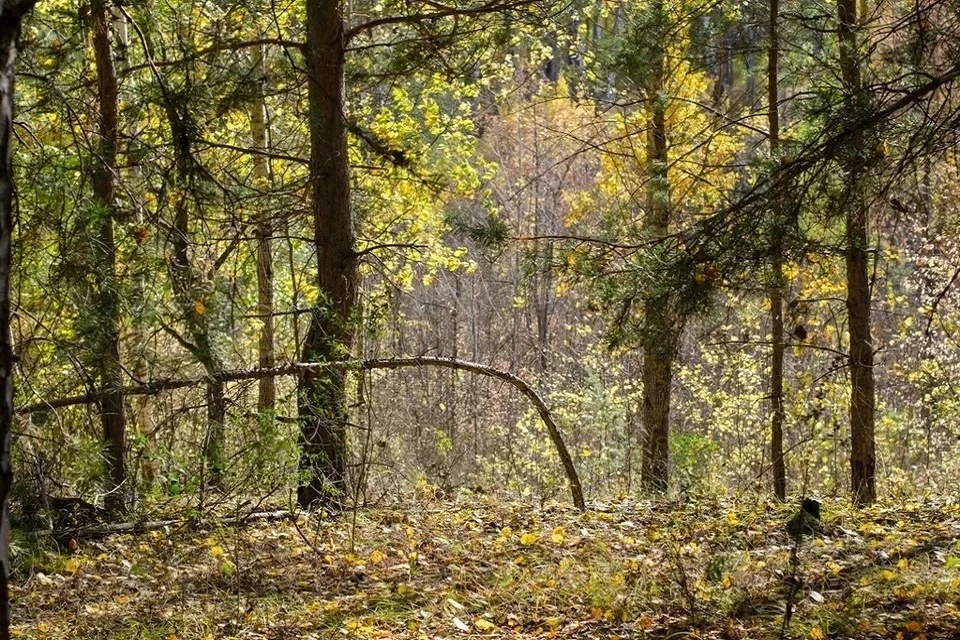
441 12
299 368
103 530
217 48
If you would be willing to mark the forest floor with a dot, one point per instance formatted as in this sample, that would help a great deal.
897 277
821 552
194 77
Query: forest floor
477 567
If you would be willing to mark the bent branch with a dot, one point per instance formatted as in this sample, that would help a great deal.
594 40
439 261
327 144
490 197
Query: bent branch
296 368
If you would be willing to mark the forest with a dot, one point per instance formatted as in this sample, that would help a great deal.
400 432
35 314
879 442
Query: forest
427 319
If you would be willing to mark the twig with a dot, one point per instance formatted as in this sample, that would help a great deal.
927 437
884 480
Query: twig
102 530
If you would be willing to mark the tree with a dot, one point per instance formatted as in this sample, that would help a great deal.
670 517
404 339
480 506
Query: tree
777 412
660 330
322 397
107 331
672 151
11 15
267 392
854 163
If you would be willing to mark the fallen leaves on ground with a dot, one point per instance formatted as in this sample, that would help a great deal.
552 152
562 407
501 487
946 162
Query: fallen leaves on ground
481 568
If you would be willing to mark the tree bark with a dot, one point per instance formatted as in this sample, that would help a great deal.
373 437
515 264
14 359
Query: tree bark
659 335
862 393
107 351
11 13
267 388
322 396
778 466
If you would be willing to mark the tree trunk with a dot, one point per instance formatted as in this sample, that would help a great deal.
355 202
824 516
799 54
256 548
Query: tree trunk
862 447
213 448
659 335
196 317
776 291
107 352
322 397
267 388
11 13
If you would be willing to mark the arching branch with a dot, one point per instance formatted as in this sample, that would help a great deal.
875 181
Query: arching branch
298 368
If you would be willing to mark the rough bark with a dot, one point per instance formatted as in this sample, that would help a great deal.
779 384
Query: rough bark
322 396
659 334
267 388
862 398
776 291
107 351
11 13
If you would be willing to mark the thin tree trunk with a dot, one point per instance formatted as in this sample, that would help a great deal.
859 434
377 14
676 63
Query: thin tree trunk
197 318
112 414
141 329
862 447
11 13
659 338
267 388
776 292
214 447
322 398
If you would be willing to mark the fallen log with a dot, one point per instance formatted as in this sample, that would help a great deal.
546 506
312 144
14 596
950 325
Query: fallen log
114 528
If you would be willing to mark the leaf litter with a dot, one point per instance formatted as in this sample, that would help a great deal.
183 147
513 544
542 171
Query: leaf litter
481 568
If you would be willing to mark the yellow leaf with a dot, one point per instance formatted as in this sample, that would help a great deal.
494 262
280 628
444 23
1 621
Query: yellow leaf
377 556
557 536
71 565
405 590
217 551
727 582
528 539
200 308
817 634
484 624
888 575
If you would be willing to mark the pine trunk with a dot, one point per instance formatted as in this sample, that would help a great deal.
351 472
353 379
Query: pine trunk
862 447
776 291
659 338
322 397
112 414
197 319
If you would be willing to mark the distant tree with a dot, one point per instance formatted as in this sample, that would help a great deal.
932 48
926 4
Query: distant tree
672 152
